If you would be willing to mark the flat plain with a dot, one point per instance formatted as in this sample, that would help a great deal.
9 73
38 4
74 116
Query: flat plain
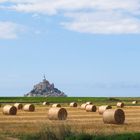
79 120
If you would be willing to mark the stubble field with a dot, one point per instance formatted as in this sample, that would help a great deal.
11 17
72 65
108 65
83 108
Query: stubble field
79 120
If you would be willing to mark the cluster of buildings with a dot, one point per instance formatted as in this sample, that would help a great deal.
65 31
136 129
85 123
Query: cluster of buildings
45 89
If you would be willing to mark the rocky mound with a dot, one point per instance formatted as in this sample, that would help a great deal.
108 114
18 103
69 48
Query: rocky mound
45 89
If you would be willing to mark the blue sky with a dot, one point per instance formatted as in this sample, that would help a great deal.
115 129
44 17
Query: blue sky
91 48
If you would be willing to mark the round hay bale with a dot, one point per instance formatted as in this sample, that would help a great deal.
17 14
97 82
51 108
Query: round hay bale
56 105
91 108
56 113
29 107
103 108
120 104
114 116
83 106
89 103
18 105
9 110
73 104
45 103
134 102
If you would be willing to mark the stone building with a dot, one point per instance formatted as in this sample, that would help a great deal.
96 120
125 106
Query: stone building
45 89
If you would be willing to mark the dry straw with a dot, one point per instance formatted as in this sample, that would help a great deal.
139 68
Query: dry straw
18 105
91 108
134 102
83 106
45 103
73 104
29 107
9 110
56 113
114 116
89 103
56 105
120 104
103 108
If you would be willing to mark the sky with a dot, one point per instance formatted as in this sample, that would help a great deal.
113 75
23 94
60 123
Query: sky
86 47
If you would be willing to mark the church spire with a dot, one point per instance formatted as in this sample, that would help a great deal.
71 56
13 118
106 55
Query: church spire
44 77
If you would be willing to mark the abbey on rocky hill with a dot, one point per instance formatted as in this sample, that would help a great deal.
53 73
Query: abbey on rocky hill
45 89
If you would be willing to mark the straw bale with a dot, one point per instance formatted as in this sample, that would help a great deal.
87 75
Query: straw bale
73 104
9 110
56 113
29 107
45 103
56 105
83 106
120 104
89 103
18 105
91 108
114 116
103 108
134 102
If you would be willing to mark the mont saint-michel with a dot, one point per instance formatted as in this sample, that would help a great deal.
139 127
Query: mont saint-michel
46 89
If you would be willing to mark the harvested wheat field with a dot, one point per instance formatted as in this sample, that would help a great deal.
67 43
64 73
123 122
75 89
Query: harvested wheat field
79 120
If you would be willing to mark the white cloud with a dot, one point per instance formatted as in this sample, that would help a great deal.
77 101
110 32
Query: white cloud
54 6
9 30
20 1
102 23
90 16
